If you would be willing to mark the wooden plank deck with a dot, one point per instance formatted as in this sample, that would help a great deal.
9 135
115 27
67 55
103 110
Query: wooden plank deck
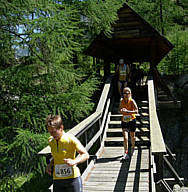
110 173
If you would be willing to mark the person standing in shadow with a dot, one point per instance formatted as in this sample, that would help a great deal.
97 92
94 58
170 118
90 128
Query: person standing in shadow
123 72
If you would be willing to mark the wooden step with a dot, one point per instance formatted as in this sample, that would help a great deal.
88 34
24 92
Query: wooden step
117 124
117 132
117 117
118 141
143 108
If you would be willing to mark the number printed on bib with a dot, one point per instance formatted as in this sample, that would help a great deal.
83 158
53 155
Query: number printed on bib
63 170
127 118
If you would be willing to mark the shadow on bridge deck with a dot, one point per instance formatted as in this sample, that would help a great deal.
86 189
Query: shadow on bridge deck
111 173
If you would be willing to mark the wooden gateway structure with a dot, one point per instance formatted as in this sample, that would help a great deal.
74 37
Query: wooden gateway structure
136 41
133 39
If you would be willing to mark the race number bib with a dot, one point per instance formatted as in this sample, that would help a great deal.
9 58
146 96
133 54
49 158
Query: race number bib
127 118
63 170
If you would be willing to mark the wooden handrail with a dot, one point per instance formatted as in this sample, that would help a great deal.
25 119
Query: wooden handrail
77 130
84 125
156 137
158 146
106 89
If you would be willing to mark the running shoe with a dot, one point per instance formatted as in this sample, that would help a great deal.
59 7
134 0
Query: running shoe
125 157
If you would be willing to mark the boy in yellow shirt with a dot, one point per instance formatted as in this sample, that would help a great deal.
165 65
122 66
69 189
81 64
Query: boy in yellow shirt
66 174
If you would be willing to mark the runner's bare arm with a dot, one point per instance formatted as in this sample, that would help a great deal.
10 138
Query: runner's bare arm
83 156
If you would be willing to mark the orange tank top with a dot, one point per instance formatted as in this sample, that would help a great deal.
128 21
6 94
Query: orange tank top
129 106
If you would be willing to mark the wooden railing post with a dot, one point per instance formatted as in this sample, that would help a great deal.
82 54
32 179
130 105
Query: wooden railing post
100 124
86 141
159 166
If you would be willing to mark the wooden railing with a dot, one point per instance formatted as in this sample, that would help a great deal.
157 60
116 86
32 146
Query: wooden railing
156 138
92 129
159 150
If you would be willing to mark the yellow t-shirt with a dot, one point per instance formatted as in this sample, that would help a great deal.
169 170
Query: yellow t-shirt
65 148
123 72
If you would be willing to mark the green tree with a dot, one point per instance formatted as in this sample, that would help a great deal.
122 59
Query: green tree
176 63
100 15
164 16
44 80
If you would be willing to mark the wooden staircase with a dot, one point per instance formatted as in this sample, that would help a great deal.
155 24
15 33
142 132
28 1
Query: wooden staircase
114 132
110 173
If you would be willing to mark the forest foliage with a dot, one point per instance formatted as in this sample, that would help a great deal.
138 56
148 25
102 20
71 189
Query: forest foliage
43 69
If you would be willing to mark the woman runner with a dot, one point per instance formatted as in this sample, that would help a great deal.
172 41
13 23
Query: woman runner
128 109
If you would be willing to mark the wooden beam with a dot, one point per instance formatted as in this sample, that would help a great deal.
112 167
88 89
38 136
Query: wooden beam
173 171
153 173
126 24
45 151
85 124
125 32
156 137
163 186
127 10
127 16
106 89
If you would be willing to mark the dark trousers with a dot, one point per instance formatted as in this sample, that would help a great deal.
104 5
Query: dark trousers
68 185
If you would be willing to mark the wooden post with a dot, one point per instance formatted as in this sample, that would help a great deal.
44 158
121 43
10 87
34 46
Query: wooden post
106 69
86 142
100 138
159 165
97 66
153 65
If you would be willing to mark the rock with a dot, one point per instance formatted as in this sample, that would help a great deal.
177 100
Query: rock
185 142
185 90
184 189
176 188
181 87
182 81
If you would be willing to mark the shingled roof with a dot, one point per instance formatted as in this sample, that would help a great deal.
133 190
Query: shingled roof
133 39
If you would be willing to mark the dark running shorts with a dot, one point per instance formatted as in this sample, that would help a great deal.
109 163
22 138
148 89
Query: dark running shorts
122 82
129 126
68 185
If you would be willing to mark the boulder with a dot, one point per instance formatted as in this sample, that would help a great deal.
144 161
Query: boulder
182 81
182 86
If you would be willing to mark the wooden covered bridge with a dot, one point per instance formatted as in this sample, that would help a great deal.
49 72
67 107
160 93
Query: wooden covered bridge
136 41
